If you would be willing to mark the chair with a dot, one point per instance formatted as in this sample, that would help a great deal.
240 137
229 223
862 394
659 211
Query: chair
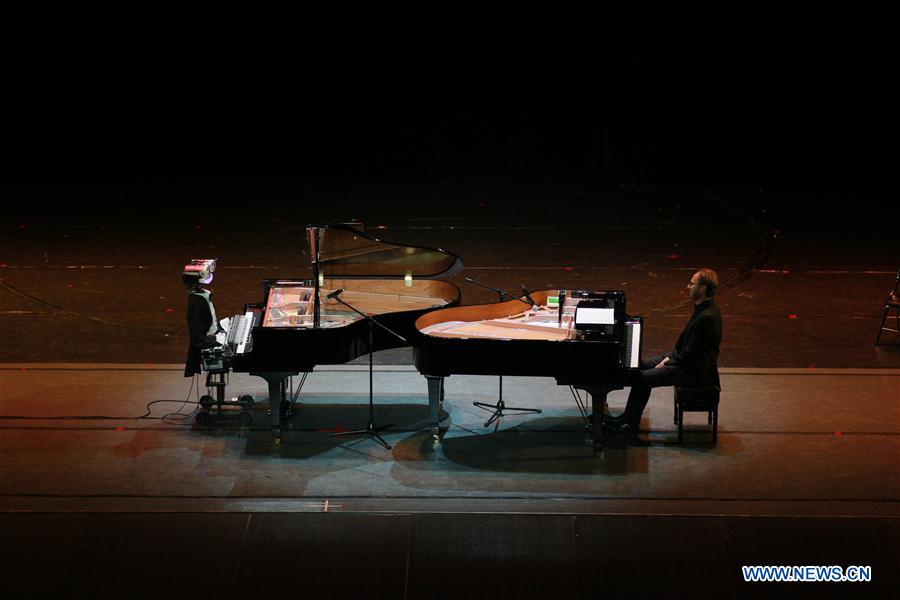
892 302
697 399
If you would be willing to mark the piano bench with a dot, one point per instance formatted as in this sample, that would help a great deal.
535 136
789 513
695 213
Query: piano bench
697 399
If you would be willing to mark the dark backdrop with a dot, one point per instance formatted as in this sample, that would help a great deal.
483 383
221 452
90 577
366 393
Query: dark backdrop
787 101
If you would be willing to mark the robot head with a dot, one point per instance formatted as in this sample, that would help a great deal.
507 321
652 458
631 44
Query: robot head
199 271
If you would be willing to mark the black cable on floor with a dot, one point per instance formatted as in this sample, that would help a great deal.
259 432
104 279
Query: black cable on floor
186 401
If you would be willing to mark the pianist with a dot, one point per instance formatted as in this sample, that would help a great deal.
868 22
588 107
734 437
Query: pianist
201 315
693 361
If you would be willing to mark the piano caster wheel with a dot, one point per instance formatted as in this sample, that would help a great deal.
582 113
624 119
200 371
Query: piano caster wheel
206 401
246 401
245 419
203 418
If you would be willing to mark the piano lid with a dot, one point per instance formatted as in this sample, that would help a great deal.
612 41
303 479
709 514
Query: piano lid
344 251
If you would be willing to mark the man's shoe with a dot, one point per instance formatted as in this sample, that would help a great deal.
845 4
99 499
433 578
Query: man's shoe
606 417
623 426
614 418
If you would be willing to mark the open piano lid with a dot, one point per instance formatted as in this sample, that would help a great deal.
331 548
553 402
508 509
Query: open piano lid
344 251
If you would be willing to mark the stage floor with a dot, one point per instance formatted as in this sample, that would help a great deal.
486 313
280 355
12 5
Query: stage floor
74 432
792 467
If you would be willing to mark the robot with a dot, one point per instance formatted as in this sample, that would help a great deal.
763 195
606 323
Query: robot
208 350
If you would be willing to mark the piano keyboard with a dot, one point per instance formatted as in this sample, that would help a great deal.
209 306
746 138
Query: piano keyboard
633 344
239 332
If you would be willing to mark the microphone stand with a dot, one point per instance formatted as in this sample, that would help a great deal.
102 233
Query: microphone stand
496 410
370 429
502 293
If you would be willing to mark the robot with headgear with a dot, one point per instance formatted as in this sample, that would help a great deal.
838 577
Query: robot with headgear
206 352
201 314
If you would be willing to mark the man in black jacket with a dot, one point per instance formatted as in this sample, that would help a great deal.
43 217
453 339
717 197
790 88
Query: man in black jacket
693 362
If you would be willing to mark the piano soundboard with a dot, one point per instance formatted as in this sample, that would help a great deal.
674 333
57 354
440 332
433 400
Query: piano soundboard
291 306
540 322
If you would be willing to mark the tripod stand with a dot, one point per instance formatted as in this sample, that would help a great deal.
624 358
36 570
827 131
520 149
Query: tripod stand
370 429
497 409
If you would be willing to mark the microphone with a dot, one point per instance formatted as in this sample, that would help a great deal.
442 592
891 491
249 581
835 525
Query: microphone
334 294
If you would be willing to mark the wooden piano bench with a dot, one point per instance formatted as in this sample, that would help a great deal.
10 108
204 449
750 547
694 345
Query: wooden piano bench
697 399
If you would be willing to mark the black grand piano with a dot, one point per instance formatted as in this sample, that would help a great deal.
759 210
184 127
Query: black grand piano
297 326
583 339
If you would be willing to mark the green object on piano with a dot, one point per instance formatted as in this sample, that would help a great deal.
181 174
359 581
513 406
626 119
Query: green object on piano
552 300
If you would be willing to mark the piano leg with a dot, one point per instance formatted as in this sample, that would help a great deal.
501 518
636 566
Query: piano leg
598 405
435 399
276 397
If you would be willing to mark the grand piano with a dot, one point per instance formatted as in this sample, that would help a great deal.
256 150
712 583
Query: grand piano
298 326
583 339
